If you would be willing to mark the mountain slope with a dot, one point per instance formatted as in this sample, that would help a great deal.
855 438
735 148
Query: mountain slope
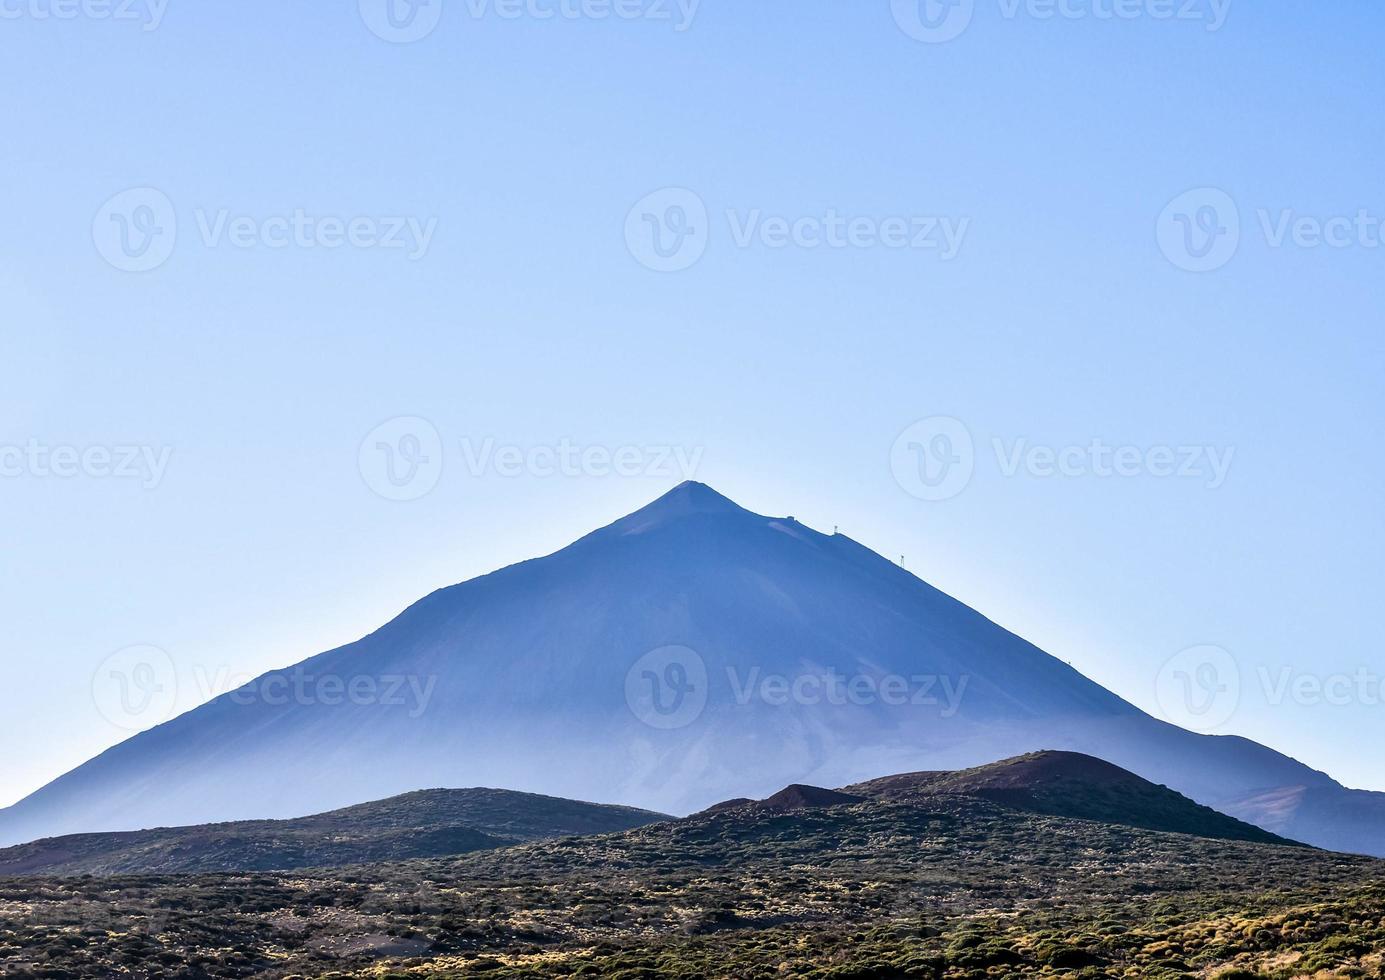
1068 784
922 887
689 652
427 823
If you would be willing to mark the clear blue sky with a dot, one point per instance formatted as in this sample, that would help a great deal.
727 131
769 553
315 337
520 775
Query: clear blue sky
1052 144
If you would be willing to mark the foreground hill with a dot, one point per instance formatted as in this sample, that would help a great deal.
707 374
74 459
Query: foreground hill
690 652
898 885
429 823
1068 784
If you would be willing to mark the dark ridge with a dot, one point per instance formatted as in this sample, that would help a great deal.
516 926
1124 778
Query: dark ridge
1070 784
788 800
800 797
725 805
423 824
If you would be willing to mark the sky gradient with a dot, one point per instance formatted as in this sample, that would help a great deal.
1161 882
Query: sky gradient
1079 314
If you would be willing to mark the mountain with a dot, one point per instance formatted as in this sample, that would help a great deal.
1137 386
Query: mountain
427 823
788 800
439 823
690 652
1069 784
820 884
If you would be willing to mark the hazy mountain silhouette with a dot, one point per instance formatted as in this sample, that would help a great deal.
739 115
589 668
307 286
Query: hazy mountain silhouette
690 652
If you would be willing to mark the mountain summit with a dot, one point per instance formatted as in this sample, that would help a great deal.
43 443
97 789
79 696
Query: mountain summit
689 497
689 652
